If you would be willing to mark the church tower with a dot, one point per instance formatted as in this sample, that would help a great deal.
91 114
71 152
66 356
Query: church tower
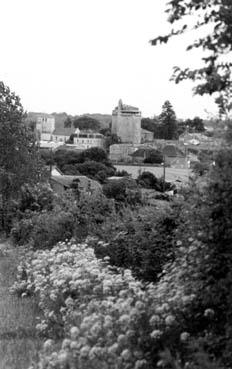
126 123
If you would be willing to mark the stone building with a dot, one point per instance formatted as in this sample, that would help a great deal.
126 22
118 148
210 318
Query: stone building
121 152
126 123
45 125
146 136
88 139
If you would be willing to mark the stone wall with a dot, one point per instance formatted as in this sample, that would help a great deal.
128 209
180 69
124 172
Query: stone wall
127 127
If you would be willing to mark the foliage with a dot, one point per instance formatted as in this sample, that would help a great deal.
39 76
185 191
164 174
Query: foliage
43 229
168 123
121 173
64 157
200 168
75 188
19 159
151 124
92 162
47 156
90 169
103 318
215 74
154 157
112 139
73 214
150 181
186 314
36 198
195 125
68 122
141 241
95 154
206 160
191 125
228 134
204 261
123 191
85 122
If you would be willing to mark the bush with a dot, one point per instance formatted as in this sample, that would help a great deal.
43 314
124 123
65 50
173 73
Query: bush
142 243
36 198
154 157
123 191
100 317
45 229
71 216
150 181
204 262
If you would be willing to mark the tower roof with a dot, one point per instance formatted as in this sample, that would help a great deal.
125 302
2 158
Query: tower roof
125 108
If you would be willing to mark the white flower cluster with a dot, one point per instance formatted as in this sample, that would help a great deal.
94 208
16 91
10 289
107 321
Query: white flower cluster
104 314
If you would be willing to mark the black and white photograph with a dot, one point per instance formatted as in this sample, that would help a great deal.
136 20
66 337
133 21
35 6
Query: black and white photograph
116 184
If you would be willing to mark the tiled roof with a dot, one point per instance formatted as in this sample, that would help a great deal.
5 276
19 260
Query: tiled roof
62 131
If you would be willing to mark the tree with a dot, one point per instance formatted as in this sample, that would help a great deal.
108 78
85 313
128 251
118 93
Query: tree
151 124
112 139
95 154
75 187
19 156
215 74
154 157
168 123
86 122
68 122
198 124
147 180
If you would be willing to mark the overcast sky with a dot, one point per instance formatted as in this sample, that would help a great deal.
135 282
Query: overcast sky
82 56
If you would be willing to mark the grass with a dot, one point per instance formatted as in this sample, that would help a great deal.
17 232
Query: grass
19 343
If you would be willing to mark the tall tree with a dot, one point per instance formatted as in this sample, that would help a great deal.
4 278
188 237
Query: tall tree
215 74
86 122
19 159
68 122
168 123
151 124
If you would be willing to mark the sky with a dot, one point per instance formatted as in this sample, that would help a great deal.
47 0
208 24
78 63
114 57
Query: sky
82 56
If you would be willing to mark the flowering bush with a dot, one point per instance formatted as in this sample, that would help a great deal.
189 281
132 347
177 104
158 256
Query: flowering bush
106 318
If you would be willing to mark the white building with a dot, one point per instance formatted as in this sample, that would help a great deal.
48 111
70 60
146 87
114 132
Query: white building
62 134
86 139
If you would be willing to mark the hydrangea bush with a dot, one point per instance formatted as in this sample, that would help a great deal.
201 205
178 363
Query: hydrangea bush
103 316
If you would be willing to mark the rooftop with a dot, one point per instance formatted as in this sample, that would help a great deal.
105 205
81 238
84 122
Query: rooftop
123 108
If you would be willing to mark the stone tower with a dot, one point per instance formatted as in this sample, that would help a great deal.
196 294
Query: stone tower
126 123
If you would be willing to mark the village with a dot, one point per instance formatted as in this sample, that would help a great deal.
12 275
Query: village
131 153
116 184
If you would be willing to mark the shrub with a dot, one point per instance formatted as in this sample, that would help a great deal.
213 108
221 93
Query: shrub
123 191
36 198
72 215
154 157
102 317
142 242
149 180
43 229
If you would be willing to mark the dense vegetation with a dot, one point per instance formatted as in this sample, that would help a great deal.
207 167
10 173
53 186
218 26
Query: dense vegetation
214 75
106 316
122 284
